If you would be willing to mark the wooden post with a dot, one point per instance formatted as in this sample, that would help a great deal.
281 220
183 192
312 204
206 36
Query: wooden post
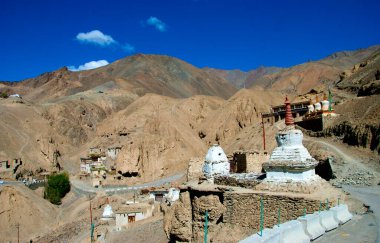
92 225
18 232
262 122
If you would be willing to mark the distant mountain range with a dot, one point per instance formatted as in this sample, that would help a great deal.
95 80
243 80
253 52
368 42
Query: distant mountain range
167 110
164 75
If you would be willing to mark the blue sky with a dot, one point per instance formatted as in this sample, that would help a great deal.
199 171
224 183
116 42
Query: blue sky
39 36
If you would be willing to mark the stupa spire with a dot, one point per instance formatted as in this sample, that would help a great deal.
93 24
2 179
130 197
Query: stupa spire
289 121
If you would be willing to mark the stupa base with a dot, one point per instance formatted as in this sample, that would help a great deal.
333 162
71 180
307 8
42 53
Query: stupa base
311 185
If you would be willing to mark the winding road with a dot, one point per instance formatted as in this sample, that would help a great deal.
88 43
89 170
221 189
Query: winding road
85 187
370 195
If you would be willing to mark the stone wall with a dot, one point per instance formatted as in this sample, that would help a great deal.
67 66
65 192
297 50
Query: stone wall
244 209
194 170
234 181
240 211
255 161
249 161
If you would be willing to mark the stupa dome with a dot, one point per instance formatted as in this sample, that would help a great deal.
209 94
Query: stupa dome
215 154
325 105
107 213
317 106
310 108
216 163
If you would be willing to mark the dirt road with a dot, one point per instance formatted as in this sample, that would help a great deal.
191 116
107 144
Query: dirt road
82 186
371 197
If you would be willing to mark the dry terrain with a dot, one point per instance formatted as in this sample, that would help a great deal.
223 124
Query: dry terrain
163 112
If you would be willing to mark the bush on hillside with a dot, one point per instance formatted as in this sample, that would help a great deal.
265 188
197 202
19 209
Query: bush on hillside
4 95
56 187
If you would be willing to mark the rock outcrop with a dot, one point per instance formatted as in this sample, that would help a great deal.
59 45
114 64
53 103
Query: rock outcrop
178 219
363 135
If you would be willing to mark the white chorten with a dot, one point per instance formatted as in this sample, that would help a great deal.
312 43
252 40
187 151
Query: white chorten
290 160
107 213
317 106
310 108
325 104
216 163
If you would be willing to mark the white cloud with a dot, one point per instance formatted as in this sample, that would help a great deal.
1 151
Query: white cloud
96 37
128 47
158 24
89 65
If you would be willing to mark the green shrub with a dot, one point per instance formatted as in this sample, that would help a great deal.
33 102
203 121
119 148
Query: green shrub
56 187
4 95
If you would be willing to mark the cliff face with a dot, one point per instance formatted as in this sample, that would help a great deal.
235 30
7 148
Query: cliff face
363 135
364 77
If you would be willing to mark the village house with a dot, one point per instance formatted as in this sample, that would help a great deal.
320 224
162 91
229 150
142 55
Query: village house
113 152
128 214
10 166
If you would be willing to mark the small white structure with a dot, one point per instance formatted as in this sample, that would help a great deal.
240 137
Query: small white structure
113 152
15 96
317 106
131 213
107 213
85 168
172 196
310 108
325 105
216 163
159 195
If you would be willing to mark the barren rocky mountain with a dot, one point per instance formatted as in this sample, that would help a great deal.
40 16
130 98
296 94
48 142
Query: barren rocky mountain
138 74
241 79
300 78
151 106
362 78
162 112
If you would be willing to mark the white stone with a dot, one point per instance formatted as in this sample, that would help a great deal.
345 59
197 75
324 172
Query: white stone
216 163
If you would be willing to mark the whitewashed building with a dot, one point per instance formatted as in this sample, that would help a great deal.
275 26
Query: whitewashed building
129 214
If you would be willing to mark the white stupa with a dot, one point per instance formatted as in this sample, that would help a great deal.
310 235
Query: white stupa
317 106
310 108
107 213
216 163
290 161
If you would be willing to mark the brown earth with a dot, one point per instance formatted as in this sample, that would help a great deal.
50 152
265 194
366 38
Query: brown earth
162 112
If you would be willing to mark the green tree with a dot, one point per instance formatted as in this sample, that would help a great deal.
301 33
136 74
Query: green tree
56 187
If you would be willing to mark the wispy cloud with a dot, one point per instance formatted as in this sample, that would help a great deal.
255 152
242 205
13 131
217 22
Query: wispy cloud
96 37
158 24
128 47
89 65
